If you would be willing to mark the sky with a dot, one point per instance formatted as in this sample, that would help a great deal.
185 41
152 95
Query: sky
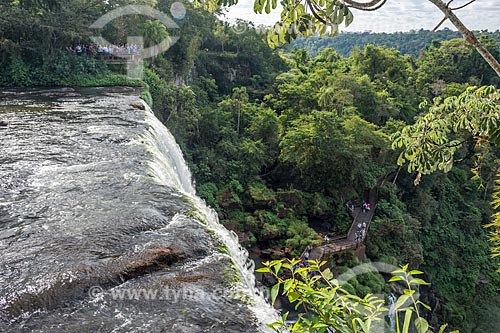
395 15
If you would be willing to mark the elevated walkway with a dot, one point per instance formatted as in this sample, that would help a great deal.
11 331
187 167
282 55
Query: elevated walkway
349 241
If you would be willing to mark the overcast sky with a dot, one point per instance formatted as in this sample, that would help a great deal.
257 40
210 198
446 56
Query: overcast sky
396 15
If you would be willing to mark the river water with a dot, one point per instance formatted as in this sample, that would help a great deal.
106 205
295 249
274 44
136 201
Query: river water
100 228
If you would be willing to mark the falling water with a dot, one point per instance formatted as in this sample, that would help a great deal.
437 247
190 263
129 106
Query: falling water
100 227
392 312
168 159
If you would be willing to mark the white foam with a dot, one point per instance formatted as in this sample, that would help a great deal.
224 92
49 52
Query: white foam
170 168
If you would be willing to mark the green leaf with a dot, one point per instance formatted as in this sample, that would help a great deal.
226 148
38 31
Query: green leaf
258 6
287 285
364 326
274 293
268 6
442 328
401 301
349 18
406 324
293 296
419 281
422 325
424 305
328 274
401 161
395 278
277 267
397 271
409 292
416 272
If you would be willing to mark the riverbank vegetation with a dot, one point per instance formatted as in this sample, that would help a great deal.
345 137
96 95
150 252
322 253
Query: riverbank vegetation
279 140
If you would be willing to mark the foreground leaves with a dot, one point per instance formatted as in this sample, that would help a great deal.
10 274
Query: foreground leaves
471 119
430 143
328 307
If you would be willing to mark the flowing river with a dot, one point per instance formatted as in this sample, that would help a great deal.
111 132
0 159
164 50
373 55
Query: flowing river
100 227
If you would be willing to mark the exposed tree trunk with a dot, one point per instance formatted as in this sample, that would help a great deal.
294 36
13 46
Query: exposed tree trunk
448 14
468 35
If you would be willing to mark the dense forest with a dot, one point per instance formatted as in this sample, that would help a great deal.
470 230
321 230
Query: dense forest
280 140
408 42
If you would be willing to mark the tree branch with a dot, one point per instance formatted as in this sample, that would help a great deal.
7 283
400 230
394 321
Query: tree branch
366 6
439 24
463 6
315 14
468 35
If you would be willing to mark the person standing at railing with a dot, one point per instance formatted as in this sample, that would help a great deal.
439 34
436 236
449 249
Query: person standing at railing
132 50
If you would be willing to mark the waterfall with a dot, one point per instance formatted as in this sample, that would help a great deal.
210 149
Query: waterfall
392 312
170 169
168 162
101 229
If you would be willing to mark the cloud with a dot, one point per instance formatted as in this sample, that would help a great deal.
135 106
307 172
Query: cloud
396 15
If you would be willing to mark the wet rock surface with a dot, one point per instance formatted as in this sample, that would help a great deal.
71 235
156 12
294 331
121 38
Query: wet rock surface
90 240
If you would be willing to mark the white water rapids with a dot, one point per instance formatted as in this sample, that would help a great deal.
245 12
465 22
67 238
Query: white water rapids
101 229
171 169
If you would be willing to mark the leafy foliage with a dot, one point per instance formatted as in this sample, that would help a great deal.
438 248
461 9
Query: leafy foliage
319 134
327 305
413 42
429 145
279 143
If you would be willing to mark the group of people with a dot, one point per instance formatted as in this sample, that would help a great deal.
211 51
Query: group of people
106 51
365 206
361 231
304 260
305 257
